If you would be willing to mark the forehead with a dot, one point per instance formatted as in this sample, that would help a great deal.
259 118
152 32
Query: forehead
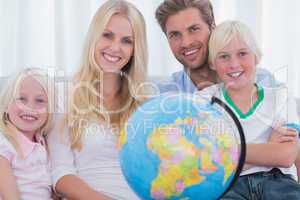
120 25
184 19
28 84
235 43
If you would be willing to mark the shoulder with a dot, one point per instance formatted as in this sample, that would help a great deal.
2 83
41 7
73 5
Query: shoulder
6 148
171 83
3 140
214 90
265 78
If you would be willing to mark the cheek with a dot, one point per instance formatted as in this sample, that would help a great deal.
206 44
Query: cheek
221 71
13 109
128 51
174 46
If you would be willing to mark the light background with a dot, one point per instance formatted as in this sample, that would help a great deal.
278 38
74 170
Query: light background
50 33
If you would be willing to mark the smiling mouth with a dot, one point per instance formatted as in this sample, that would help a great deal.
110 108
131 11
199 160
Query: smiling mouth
28 118
191 52
235 74
110 58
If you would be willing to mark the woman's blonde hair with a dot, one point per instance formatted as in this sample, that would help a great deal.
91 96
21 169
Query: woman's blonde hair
225 32
9 91
84 103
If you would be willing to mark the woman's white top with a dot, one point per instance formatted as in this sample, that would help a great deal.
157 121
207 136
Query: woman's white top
97 163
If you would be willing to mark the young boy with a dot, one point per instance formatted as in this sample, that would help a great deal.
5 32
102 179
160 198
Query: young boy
269 171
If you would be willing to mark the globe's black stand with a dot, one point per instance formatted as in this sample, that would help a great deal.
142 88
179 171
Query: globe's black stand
242 138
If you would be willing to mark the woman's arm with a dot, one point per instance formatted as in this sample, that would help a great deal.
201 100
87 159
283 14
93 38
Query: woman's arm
8 185
64 172
73 188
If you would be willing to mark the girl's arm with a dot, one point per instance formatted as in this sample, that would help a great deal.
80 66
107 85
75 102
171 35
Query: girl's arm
8 185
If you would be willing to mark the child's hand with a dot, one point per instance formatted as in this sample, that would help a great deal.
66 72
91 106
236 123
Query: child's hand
283 134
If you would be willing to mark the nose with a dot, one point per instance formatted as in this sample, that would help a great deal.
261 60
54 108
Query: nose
29 106
186 40
115 46
234 62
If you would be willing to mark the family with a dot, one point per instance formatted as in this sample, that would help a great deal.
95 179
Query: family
74 155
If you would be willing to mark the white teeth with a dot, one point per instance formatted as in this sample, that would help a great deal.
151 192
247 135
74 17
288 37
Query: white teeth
187 53
235 74
27 117
111 58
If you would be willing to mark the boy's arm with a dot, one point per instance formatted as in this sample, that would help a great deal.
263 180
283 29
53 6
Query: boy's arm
8 185
297 163
272 154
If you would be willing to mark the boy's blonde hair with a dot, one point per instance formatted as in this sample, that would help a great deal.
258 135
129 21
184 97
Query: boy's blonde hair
9 91
225 32
85 95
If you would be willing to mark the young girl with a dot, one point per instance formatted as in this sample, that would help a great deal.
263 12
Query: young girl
84 153
26 104
269 172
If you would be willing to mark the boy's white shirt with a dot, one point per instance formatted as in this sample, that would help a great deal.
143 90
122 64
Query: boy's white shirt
276 107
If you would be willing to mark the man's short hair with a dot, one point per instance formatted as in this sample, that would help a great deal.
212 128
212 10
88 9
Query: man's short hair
170 7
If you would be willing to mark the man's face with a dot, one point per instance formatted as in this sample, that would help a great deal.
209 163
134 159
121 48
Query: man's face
188 36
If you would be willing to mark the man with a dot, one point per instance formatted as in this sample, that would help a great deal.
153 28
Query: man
187 25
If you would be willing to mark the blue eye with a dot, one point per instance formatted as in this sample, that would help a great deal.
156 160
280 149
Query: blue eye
21 99
243 53
194 29
224 57
127 41
41 100
107 35
174 35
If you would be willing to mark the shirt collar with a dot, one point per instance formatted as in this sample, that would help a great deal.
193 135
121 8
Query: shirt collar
184 82
26 146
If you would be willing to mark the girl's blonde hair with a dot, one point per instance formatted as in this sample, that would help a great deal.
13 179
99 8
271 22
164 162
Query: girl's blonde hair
83 105
225 32
9 91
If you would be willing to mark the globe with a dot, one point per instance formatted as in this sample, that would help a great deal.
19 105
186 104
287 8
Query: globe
180 147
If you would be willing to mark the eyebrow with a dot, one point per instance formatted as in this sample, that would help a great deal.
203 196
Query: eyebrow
176 31
111 32
242 49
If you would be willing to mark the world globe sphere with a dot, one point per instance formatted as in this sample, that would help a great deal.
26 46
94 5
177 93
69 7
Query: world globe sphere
181 147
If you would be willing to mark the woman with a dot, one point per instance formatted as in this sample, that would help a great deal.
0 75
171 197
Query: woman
83 148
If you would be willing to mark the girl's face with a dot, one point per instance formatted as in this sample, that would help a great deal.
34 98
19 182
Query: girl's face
115 46
235 65
28 111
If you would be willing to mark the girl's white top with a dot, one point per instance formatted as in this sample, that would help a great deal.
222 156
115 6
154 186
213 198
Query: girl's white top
32 170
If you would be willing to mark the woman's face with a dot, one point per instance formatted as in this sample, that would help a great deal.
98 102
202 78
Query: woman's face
115 46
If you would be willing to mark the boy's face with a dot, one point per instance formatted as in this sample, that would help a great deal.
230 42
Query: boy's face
235 65
188 36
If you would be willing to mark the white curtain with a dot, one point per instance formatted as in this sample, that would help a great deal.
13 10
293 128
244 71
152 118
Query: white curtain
50 33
